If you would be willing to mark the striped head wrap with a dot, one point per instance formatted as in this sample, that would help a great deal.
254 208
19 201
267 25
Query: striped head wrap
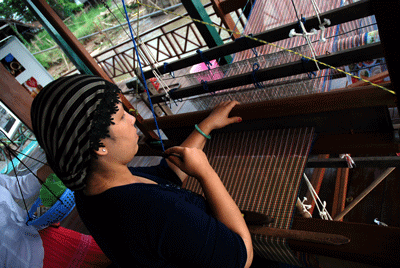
70 116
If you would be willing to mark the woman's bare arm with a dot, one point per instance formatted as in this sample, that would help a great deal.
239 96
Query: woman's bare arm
218 118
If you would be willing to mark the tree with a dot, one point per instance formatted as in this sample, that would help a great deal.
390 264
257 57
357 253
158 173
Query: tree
13 9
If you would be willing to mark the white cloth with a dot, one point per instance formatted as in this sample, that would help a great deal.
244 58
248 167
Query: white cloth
20 245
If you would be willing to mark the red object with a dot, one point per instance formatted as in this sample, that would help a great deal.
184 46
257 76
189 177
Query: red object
31 82
156 85
67 248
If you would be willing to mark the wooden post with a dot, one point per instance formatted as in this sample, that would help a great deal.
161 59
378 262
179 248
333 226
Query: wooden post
226 18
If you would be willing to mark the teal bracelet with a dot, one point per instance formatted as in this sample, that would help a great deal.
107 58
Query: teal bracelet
201 132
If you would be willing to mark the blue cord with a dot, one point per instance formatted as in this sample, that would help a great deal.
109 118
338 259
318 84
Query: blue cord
256 67
168 70
303 62
141 71
205 60
205 87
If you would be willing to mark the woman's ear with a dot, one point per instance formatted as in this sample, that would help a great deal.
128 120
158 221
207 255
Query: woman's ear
102 151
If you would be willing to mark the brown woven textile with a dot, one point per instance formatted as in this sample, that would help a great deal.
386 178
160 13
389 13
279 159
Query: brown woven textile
262 171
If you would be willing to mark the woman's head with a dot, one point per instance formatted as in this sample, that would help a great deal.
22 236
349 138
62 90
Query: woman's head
70 118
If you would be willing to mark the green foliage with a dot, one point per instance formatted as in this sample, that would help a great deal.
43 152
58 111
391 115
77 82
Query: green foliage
81 24
64 8
14 9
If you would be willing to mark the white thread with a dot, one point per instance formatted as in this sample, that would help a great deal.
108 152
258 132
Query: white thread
323 213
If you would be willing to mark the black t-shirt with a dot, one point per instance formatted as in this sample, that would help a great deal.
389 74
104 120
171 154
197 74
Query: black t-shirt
159 225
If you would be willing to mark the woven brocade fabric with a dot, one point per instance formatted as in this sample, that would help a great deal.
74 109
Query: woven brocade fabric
262 171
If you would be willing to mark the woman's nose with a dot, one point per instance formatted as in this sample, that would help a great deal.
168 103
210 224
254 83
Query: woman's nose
133 119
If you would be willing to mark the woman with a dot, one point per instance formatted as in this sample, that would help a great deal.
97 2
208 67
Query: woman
23 246
140 217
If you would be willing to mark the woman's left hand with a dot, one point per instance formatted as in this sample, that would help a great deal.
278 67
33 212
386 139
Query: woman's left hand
219 117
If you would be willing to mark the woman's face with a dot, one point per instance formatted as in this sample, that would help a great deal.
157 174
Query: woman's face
122 145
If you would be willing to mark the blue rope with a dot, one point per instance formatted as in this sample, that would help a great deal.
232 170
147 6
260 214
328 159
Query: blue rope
205 86
303 62
141 71
205 60
256 67
167 69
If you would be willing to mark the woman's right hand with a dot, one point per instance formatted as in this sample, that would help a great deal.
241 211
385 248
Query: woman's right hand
192 161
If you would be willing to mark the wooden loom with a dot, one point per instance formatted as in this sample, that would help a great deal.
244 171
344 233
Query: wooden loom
327 113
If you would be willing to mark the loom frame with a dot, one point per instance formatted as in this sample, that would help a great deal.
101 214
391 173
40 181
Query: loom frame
369 244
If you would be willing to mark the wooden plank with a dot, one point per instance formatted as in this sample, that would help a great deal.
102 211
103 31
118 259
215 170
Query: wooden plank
370 244
322 238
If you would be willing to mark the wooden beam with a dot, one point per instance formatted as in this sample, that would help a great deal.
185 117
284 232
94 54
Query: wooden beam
228 6
15 97
372 143
377 161
337 16
337 59
370 244
225 18
367 96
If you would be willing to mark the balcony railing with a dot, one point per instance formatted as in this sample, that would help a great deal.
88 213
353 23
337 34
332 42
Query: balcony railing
169 41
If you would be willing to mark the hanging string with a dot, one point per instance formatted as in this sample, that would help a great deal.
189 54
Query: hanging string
16 177
256 83
167 69
306 35
323 213
276 46
11 154
303 63
141 71
204 59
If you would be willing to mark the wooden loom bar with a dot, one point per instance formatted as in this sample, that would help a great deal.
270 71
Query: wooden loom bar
363 194
304 106
344 14
341 58
371 244
323 238
366 96
379 161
